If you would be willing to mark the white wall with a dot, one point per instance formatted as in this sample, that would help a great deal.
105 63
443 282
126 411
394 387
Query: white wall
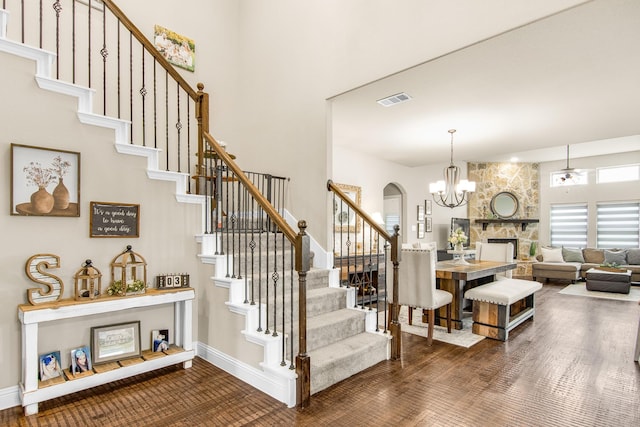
295 55
591 193
372 175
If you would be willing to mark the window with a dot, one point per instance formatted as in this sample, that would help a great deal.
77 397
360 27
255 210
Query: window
618 174
563 179
618 225
569 225
390 221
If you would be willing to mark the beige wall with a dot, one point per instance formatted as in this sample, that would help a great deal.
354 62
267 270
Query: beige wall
167 228
295 55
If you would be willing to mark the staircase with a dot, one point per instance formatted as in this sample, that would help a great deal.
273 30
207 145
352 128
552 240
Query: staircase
340 341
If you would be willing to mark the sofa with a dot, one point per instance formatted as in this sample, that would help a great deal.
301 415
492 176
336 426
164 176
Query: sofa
572 264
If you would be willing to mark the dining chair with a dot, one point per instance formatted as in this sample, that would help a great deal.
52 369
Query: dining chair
502 252
417 286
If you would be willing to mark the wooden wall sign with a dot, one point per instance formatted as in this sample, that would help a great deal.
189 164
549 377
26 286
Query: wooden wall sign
114 220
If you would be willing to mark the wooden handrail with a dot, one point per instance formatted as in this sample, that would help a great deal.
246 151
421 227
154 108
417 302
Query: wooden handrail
381 231
394 327
151 49
252 189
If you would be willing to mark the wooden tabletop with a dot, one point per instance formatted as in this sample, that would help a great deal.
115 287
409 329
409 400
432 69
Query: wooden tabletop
473 270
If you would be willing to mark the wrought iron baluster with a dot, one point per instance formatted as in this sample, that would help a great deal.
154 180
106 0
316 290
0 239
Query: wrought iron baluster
178 125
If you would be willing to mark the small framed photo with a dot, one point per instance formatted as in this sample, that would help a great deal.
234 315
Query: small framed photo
80 360
429 225
420 213
420 230
159 340
50 366
115 342
427 207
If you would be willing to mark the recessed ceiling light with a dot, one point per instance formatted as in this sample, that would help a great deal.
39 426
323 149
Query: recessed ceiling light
394 99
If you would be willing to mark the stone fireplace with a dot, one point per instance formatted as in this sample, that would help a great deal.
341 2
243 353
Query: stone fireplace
522 180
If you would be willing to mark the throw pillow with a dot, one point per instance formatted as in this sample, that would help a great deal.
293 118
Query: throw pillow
633 256
552 254
572 255
593 256
617 257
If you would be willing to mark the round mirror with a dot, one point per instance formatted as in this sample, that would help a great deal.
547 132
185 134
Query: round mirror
504 204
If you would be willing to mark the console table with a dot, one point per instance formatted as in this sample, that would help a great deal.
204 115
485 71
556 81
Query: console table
32 315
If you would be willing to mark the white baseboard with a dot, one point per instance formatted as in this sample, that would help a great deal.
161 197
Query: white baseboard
279 383
10 397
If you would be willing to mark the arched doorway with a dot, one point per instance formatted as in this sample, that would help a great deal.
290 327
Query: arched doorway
394 209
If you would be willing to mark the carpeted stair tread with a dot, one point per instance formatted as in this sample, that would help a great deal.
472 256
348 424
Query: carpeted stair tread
319 301
340 360
333 326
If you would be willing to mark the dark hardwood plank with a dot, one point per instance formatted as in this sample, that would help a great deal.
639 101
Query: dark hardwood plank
571 366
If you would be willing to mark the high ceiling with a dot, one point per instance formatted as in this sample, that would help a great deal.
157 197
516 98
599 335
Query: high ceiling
571 78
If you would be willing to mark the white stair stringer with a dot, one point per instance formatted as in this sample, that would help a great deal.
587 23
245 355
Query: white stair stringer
44 68
84 94
43 58
275 379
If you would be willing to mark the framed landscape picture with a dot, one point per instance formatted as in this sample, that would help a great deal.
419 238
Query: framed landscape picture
175 48
115 342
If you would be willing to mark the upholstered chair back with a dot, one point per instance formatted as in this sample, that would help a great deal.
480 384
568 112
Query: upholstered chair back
416 278
501 252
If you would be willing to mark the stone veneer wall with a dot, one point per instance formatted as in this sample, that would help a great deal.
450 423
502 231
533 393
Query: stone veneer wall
521 179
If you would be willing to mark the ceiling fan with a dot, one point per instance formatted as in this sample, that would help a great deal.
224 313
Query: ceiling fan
569 173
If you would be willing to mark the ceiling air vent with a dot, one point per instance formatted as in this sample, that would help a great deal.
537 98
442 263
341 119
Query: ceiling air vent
394 99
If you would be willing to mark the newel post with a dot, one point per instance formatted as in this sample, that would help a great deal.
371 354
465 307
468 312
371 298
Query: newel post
202 115
303 362
395 329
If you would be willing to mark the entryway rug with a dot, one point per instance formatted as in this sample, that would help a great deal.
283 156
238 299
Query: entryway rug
462 338
580 289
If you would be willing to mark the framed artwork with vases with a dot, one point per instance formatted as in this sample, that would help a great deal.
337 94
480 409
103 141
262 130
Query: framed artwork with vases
44 181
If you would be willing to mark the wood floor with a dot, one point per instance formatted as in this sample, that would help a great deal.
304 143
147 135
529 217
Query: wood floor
571 366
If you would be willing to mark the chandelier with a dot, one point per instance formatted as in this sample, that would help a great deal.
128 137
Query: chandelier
452 191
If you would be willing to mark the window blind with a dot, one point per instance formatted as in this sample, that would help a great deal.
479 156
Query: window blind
618 225
569 225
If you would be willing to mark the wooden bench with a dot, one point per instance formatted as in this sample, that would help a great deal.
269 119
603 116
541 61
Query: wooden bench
500 306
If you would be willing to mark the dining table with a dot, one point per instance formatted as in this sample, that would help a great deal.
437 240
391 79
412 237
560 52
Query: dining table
457 278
